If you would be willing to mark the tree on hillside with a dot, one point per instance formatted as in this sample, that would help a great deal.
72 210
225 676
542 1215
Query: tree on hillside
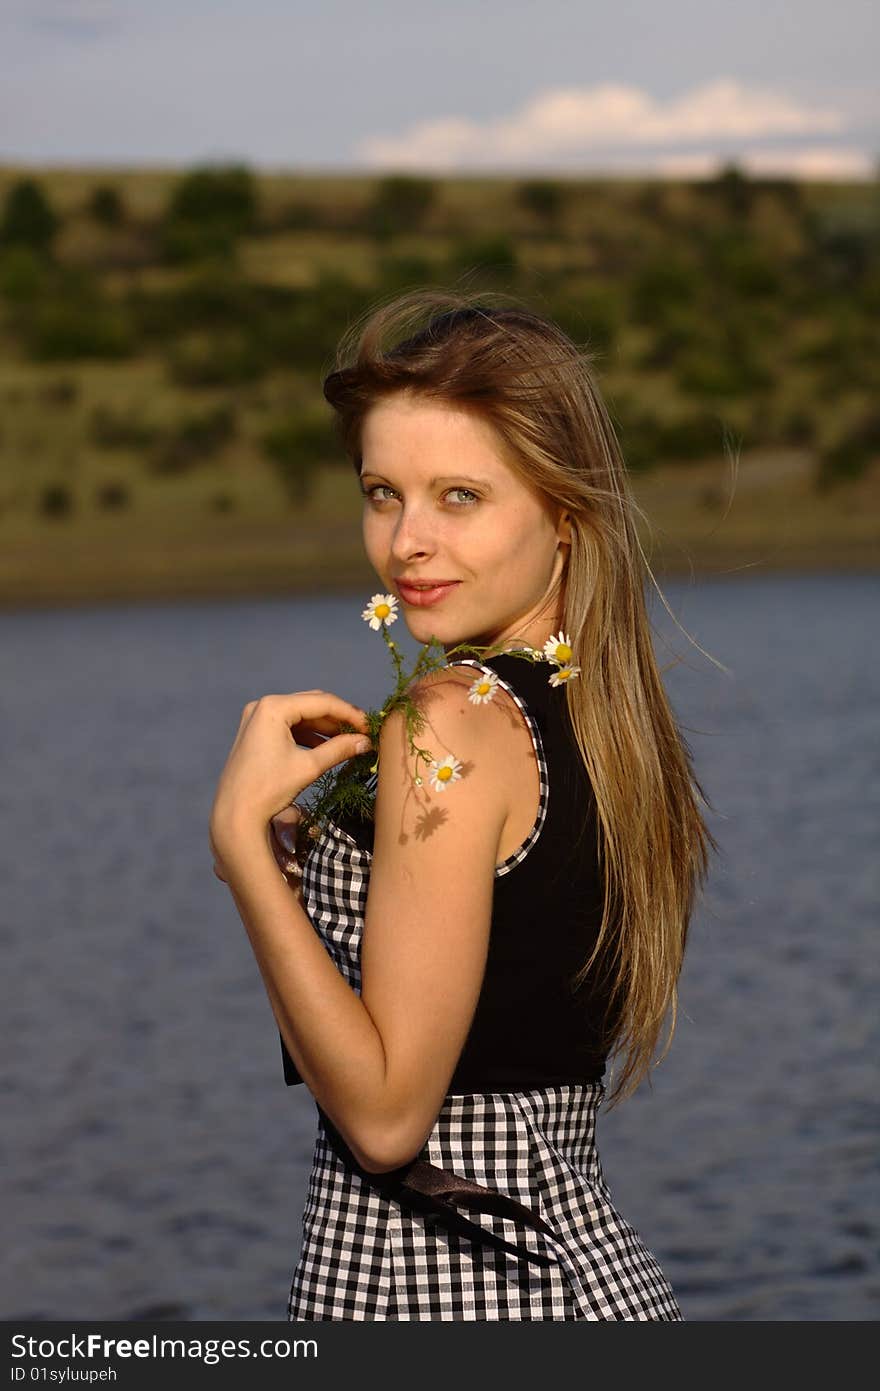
105 206
732 189
28 219
226 192
297 446
208 209
400 204
545 198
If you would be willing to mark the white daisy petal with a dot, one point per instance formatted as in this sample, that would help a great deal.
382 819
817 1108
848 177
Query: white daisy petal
382 608
558 649
563 675
483 689
444 771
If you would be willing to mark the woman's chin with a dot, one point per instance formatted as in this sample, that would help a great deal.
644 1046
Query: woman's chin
423 630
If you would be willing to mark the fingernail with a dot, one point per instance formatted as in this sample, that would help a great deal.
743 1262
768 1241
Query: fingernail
362 745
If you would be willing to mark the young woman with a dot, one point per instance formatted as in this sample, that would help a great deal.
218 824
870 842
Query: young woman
450 980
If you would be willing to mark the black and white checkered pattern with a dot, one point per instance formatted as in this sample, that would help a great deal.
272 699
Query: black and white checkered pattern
366 1255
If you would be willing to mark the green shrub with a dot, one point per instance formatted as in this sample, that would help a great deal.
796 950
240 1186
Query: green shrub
216 359
651 201
304 330
69 329
28 219
722 371
799 427
105 206
112 496
55 500
194 439
544 198
662 287
589 317
647 440
222 502
298 216
62 392
730 189
400 204
212 297
673 340
22 275
695 436
742 268
109 429
485 260
853 452
209 209
787 192
845 253
190 243
297 446
399 273
214 195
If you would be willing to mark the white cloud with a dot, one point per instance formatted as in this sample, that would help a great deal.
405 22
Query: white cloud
818 162
572 123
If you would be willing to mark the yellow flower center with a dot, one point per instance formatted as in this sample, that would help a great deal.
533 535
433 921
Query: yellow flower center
565 674
563 652
483 687
382 610
444 773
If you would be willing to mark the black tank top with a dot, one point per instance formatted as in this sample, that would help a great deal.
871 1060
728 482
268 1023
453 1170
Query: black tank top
530 1028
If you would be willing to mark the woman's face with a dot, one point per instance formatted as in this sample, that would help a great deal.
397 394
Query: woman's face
442 503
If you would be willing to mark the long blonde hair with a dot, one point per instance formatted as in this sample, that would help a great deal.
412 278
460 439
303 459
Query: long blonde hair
537 388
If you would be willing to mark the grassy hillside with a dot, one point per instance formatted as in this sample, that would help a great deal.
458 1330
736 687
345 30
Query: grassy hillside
163 337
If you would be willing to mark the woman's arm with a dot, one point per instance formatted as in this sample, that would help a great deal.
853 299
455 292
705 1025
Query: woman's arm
379 1064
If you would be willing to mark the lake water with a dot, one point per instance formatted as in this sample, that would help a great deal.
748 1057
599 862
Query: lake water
156 1164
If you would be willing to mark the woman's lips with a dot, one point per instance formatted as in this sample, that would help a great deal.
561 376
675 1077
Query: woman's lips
423 598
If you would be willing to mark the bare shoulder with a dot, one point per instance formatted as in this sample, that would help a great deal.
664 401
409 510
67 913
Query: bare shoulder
446 694
487 738
490 746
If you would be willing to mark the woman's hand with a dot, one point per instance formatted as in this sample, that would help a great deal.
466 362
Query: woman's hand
267 767
283 830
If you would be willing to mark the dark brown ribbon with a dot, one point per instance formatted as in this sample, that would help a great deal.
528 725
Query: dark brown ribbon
437 1190
447 1187
443 1188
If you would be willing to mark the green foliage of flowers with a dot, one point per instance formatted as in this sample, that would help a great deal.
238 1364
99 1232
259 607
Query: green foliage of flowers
350 789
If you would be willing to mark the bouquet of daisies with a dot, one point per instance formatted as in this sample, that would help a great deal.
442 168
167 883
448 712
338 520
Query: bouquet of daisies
350 790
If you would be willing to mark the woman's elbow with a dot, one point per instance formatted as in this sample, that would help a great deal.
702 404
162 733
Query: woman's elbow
385 1150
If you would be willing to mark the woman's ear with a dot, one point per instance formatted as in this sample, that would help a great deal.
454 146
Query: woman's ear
563 529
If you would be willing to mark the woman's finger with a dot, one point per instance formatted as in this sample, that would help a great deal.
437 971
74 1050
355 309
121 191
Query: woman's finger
320 710
336 750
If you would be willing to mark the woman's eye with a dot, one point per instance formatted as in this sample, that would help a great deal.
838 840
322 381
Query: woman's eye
373 492
376 488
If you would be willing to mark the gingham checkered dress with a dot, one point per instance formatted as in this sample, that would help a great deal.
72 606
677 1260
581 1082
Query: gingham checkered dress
372 1250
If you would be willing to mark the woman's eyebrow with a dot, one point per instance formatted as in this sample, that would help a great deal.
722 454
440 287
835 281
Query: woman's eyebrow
441 478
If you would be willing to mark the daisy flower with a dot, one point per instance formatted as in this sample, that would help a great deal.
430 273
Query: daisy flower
442 773
483 688
559 649
382 608
563 674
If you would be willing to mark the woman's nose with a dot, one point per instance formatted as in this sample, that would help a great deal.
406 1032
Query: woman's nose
411 535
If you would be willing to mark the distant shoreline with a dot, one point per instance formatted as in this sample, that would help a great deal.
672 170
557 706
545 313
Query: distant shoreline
286 580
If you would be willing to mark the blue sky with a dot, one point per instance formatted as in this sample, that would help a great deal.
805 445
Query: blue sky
672 87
